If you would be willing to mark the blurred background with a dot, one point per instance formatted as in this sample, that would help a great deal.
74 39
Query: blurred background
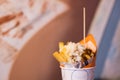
33 60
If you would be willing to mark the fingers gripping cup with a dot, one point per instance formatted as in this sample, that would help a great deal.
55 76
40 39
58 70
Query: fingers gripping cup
77 74
77 60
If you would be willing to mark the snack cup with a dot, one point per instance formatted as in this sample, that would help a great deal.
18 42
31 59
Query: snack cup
77 74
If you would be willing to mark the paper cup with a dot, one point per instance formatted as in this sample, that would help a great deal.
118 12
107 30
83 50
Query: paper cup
77 74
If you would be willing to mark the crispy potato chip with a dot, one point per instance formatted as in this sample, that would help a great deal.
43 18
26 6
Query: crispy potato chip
89 38
90 43
92 46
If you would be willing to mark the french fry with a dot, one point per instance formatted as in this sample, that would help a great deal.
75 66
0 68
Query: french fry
66 56
62 56
58 57
61 45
